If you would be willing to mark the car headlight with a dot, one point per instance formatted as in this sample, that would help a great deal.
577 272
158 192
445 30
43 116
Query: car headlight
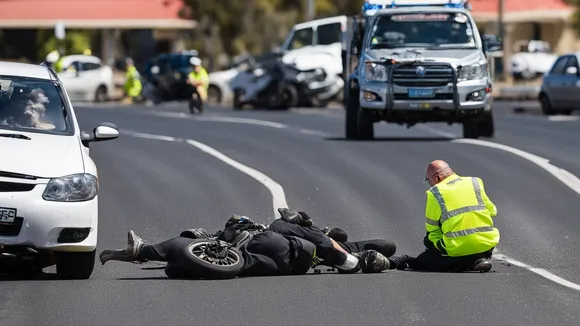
375 72
72 188
474 71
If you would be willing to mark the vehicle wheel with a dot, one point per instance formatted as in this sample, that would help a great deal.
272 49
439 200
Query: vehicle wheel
471 129
486 126
366 125
214 95
101 94
75 265
546 106
290 96
206 262
566 112
351 117
238 105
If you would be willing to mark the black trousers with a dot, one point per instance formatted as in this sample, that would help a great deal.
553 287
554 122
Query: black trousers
266 254
432 260
324 247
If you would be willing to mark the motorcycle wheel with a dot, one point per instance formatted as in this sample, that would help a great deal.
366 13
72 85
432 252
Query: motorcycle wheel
205 260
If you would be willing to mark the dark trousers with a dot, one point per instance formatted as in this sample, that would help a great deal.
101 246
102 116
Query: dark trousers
432 260
266 254
324 247
387 248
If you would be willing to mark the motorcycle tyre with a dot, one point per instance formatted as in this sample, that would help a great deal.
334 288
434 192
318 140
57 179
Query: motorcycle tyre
199 268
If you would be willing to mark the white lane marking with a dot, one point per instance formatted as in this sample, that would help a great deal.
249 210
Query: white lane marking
313 132
276 190
539 271
264 123
278 195
562 118
437 131
564 176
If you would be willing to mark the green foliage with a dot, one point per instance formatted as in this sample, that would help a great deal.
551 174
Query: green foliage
235 27
75 42
575 19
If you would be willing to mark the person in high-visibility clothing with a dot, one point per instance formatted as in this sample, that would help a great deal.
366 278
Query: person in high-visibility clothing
459 215
199 78
133 86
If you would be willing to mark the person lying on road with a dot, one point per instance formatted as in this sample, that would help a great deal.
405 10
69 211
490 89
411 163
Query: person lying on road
461 234
288 246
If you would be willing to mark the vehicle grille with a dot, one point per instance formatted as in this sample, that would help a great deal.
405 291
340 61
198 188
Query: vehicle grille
12 229
435 75
443 96
15 187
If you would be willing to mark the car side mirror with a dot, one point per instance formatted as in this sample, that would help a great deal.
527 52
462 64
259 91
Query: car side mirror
106 131
571 71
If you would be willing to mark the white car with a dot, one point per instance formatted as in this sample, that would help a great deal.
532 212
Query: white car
48 182
87 79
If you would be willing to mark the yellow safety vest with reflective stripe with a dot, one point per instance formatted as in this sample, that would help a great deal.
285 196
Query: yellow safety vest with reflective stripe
459 217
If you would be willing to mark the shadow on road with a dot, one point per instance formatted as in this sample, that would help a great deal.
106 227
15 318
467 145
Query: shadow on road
393 139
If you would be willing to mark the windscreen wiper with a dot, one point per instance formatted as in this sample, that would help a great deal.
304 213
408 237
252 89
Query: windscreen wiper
17 136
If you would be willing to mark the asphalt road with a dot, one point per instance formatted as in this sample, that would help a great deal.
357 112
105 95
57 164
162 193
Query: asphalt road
372 189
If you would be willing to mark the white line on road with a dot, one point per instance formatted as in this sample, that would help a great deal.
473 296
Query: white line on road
562 118
182 115
278 195
564 176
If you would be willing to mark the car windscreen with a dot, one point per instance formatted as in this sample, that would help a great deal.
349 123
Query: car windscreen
32 105
433 29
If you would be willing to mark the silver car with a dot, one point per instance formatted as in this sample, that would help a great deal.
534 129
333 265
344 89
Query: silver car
560 91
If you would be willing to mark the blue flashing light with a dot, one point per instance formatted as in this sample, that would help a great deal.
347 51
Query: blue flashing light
370 7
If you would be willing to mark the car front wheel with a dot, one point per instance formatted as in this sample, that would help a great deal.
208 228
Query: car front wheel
75 265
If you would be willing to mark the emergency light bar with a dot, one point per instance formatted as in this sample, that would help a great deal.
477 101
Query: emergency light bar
370 7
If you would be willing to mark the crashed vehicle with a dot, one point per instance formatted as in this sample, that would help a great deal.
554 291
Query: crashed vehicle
416 63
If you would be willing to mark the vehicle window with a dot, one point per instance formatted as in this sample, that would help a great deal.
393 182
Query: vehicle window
559 68
88 66
34 105
329 34
301 38
573 62
420 30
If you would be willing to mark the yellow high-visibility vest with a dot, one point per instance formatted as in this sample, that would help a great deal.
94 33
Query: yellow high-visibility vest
460 217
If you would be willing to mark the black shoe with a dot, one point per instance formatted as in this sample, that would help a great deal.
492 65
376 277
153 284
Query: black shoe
400 262
129 254
373 261
482 265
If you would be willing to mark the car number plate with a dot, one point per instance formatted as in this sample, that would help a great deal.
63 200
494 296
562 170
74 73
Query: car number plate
421 93
7 215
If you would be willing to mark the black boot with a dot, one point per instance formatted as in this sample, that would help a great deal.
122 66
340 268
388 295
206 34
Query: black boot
482 265
400 262
129 254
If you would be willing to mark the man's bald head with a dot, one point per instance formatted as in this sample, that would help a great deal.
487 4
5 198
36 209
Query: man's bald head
436 171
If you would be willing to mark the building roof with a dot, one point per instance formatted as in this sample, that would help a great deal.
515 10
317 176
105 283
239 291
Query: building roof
93 14
521 10
24 70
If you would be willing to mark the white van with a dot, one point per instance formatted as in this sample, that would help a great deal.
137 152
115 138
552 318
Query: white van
313 41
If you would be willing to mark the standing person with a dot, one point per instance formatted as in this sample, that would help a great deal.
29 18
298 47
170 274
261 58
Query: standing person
461 234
